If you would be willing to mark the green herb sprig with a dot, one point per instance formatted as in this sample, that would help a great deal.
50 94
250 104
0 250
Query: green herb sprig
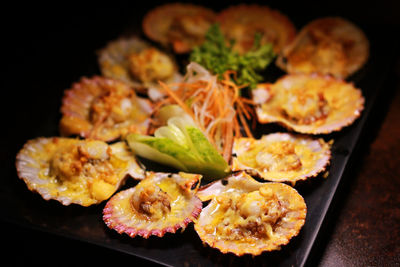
217 55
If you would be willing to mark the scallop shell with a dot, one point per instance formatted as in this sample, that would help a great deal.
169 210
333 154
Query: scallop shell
182 26
331 45
82 172
248 217
309 103
159 204
103 109
281 157
242 22
115 63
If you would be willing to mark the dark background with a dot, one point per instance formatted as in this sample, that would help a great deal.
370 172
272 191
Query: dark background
47 47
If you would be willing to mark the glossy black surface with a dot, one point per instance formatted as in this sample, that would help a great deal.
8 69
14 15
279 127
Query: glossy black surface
53 50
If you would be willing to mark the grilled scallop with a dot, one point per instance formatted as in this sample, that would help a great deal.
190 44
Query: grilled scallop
242 22
331 45
179 25
309 103
281 157
82 172
248 217
159 204
103 109
137 63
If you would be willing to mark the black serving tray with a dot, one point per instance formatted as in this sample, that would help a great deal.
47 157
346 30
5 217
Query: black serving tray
59 49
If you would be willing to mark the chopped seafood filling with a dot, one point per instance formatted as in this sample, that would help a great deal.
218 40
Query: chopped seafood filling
330 45
151 65
137 63
248 217
309 103
179 25
103 109
257 214
242 22
159 204
152 202
281 157
84 172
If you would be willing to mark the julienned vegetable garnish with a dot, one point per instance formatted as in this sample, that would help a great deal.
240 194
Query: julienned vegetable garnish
180 144
217 56
214 105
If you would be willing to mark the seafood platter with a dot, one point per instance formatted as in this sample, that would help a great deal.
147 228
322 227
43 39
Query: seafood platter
216 136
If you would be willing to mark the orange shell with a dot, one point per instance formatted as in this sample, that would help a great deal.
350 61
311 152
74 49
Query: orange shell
241 22
48 166
159 25
329 45
281 157
123 211
338 103
248 217
103 109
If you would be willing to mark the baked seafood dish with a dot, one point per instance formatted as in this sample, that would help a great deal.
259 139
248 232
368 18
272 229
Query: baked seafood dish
281 157
137 63
233 178
82 172
242 22
161 203
103 109
248 217
331 45
308 103
177 25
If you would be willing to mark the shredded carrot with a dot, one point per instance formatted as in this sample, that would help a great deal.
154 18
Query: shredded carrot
177 99
216 107
244 123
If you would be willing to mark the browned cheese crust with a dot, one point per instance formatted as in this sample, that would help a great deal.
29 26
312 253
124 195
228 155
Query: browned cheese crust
329 45
161 203
248 217
181 26
242 22
103 109
309 103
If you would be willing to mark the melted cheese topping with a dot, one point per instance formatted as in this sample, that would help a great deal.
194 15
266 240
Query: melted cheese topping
304 106
281 157
245 217
102 109
329 46
151 65
161 201
241 23
254 221
187 31
181 25
84 172
158 204
304 103
310 103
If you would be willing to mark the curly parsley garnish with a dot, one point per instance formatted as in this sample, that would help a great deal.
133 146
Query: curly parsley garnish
217 56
